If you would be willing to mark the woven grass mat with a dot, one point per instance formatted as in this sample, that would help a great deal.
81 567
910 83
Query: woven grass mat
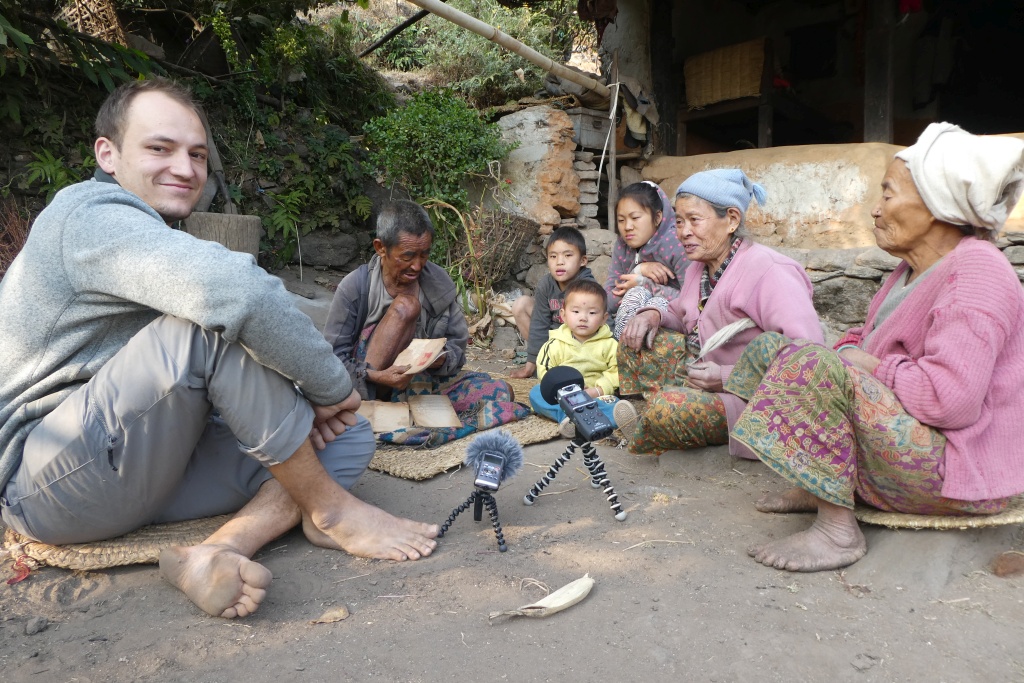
1013 514
420 463
142 546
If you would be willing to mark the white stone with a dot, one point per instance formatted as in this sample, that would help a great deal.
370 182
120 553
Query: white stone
588 198
588 186
584 166
588 210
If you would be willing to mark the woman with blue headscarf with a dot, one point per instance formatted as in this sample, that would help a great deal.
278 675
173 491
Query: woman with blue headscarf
731 280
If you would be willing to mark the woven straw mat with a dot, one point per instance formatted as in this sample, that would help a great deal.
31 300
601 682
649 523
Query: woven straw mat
142 546
421 463
1013 514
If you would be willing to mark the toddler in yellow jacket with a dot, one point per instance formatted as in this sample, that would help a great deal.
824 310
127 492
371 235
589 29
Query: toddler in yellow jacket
583 342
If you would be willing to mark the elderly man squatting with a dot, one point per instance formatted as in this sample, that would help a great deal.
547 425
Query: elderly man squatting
730 278
398 296
920 410
122 337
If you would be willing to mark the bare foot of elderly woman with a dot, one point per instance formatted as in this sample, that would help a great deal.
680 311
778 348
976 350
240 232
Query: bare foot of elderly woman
833 541
795 499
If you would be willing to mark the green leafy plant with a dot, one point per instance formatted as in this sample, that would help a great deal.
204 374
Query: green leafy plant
430 147
432 144
50 172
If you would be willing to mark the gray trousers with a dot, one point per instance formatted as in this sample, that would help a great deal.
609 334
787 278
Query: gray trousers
179 424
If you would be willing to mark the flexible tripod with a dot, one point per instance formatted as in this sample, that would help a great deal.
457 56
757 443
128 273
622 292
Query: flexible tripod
478 498
598 477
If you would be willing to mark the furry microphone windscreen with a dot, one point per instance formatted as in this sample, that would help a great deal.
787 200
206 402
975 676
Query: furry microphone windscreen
498 441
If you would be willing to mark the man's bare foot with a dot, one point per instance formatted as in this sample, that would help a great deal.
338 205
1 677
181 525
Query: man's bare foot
367 531
219 580
795 499
833 541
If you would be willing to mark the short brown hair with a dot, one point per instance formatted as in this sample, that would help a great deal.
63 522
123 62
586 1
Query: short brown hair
581 286
110 121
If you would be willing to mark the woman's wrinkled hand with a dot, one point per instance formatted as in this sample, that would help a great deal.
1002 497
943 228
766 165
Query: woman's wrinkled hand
640 331
861 359
658 272
329 422
705 375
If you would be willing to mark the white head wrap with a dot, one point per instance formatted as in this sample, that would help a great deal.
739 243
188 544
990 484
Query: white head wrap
966 179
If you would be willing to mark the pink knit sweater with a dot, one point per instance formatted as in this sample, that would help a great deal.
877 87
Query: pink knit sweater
761 284
953 353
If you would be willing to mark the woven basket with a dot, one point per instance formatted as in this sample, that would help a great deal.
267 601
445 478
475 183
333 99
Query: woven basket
727 73
96 18
1013 514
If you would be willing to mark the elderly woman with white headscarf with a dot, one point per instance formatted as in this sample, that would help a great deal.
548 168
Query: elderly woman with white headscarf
919 411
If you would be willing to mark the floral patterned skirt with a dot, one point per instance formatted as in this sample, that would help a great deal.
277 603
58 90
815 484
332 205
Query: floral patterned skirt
838 432
677 416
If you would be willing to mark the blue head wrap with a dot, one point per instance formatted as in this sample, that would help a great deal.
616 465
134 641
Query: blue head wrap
724 187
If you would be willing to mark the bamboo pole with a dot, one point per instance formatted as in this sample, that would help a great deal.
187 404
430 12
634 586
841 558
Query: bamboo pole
509 43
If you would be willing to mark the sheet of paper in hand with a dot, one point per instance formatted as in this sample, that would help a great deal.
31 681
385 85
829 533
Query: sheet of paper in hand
420 354
423 411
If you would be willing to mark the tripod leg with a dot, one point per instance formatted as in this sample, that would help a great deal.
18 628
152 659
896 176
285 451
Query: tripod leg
550 475
492 508
455 513
599 478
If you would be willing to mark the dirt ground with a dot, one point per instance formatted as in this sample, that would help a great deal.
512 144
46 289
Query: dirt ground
676 596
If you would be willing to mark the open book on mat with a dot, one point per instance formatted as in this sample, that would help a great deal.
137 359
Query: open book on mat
421 411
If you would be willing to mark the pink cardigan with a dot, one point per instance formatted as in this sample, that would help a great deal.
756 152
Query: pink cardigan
761 284
953 353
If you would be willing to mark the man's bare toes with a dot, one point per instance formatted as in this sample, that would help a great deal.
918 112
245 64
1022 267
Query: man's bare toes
220 581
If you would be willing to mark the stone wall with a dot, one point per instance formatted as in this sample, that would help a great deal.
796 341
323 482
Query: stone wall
542 183
819 196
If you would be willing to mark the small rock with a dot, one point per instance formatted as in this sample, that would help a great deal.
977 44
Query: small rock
588 175
36 625
508 354
505 338
873 257
818 276
863 273
1015 254
1010 563
1014 237
303 289
584 166
584 156
831 259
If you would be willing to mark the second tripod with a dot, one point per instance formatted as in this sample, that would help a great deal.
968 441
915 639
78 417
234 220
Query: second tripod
594 464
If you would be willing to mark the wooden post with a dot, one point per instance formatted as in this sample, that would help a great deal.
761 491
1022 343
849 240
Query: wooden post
878 63
613 187
234 231
667 80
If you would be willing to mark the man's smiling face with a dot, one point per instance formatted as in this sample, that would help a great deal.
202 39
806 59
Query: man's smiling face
162 156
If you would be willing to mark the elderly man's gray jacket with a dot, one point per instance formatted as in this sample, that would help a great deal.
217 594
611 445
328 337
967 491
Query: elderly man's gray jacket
440 316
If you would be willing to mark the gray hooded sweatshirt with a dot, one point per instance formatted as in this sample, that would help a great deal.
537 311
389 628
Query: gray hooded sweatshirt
98 266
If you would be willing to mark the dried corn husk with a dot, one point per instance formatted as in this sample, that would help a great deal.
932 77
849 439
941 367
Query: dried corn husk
563 598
